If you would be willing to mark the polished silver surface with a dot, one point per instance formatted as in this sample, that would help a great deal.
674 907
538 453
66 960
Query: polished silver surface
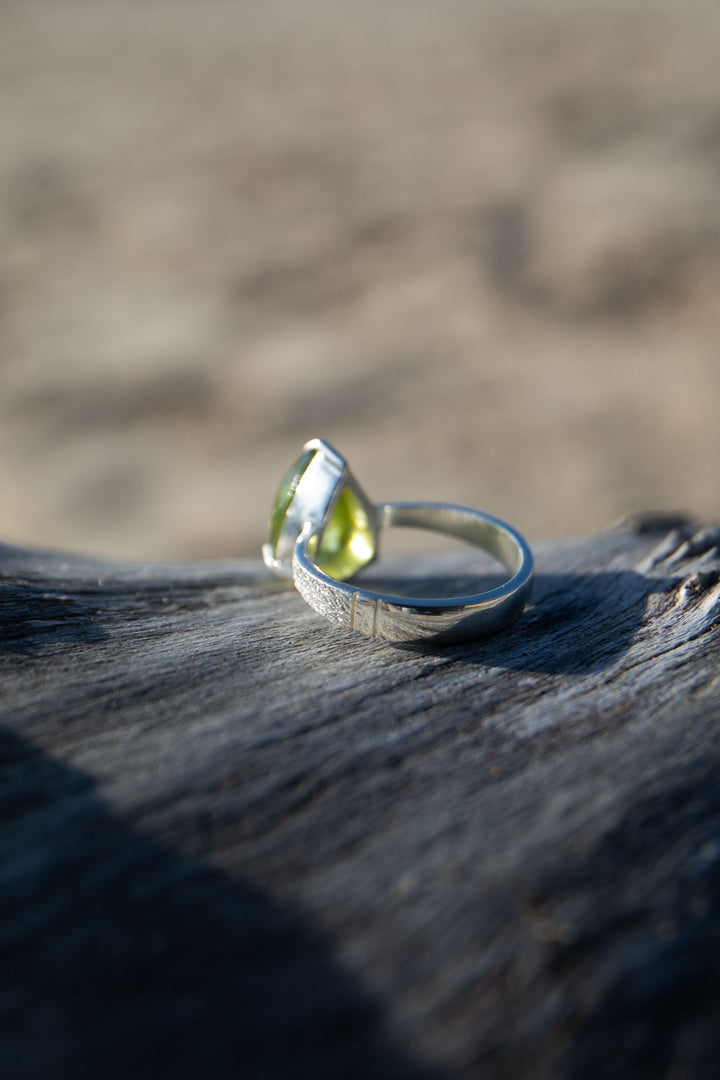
385 615
406 618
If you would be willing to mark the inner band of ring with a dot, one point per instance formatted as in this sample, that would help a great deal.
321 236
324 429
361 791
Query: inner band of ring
405 618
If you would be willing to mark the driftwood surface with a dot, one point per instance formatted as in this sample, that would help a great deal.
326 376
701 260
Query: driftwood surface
237 842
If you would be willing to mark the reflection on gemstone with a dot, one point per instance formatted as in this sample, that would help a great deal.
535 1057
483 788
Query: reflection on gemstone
348 542
285 495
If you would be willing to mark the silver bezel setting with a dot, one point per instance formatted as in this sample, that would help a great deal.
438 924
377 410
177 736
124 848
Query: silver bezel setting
318 490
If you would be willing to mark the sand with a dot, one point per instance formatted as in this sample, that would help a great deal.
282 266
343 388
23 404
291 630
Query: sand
475 245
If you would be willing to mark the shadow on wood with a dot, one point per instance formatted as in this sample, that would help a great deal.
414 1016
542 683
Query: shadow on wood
567 611
121 959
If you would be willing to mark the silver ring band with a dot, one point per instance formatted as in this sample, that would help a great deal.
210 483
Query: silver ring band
404 618
324 529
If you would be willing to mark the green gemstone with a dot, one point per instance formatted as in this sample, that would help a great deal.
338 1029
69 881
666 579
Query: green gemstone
348 542
286 494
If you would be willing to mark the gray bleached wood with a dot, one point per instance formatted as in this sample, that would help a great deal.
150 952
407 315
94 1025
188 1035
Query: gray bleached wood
238 842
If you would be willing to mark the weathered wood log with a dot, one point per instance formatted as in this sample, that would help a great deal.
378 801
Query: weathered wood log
237 842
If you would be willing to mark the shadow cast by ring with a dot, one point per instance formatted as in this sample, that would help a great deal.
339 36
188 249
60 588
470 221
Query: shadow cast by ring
575 624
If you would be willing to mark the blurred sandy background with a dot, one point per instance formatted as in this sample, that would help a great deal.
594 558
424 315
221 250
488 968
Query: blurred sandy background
475 244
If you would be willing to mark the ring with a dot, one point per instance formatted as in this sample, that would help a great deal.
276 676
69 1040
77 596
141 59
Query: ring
324 529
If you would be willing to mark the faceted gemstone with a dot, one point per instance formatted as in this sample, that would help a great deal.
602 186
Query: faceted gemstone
286 494
348 542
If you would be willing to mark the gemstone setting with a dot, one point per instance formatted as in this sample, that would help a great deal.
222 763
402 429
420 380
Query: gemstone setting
319 491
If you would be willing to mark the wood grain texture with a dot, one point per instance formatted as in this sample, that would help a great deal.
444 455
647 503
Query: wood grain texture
237 842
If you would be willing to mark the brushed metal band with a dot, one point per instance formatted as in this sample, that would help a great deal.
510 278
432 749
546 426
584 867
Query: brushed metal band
405 618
